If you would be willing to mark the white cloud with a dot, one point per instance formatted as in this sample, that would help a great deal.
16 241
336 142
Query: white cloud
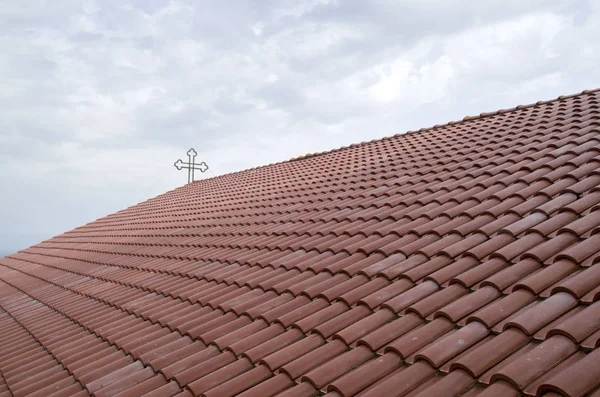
300 8
508 48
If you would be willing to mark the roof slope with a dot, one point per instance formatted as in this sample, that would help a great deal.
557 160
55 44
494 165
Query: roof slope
460 260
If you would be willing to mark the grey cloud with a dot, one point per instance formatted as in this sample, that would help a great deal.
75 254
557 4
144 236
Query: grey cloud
99 98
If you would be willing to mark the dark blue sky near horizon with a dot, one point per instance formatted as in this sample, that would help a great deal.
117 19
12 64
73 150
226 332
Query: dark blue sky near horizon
99 98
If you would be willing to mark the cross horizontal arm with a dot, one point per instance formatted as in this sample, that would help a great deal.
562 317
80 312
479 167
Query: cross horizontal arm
189 164
203 167
195 167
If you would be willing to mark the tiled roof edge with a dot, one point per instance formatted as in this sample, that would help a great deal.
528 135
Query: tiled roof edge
466 119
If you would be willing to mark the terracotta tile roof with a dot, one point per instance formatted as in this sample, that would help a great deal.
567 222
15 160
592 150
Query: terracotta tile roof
459 260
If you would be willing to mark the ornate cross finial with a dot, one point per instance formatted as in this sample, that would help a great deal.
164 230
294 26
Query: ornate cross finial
191 165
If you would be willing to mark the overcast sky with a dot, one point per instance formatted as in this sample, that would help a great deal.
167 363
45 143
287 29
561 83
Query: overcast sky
99 98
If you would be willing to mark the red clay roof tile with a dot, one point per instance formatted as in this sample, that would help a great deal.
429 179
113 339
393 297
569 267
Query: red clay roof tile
576 379
539 359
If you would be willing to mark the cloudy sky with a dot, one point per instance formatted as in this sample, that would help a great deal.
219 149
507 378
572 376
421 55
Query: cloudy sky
99 98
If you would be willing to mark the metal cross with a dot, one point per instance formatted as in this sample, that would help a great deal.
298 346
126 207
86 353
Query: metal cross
191 165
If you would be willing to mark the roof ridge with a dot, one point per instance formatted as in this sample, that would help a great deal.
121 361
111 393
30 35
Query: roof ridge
465 120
